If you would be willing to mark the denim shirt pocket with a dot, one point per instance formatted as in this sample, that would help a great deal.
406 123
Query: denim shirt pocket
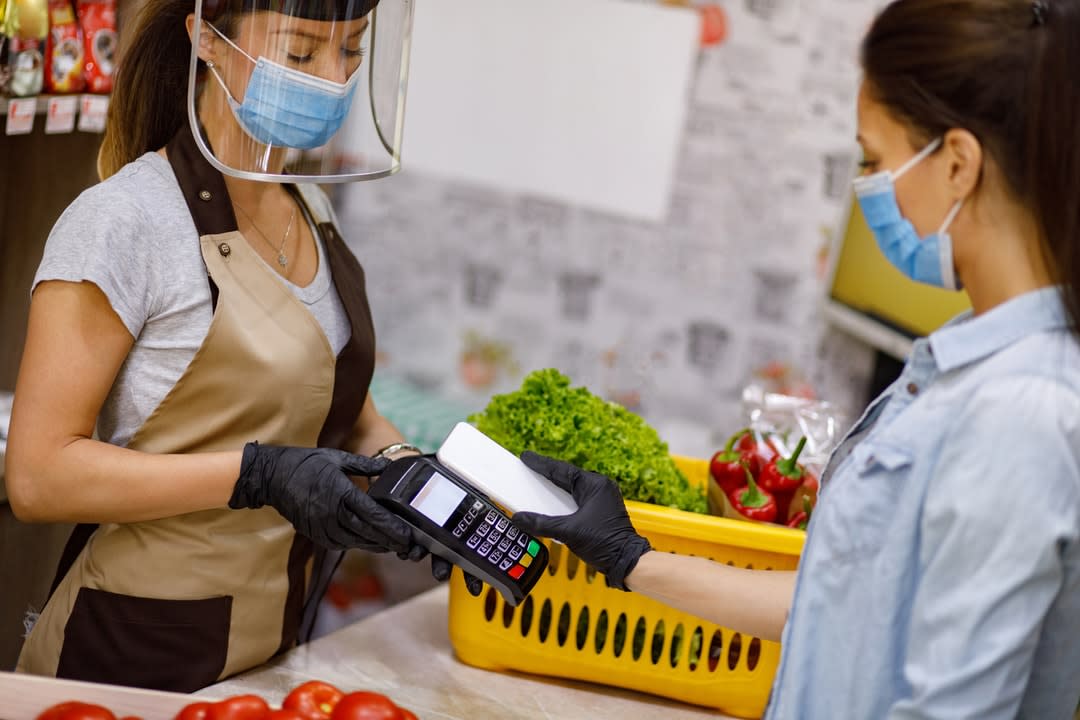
862 499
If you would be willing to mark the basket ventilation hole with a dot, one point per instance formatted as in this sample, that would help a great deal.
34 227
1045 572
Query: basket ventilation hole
657 642
489 604
749 566
696 641
583 628
590 574
572 565
526 616
769 568
544 626
618 640
639 638
564 624
676 645
731 563
733 651
508 615
716 646
555 551
753 654
601 631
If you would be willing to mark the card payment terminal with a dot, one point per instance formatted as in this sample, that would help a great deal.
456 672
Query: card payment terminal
459 524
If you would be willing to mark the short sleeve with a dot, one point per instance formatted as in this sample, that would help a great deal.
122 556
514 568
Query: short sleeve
102 238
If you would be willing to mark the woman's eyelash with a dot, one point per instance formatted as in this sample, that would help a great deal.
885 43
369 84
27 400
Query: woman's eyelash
300 59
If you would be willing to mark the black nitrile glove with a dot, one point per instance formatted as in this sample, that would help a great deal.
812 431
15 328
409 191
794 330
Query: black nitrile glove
599 532
311 489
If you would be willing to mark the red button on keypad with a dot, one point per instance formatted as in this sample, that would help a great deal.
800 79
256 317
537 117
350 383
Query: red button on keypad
516 571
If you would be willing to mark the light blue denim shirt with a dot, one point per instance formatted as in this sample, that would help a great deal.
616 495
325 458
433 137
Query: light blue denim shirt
941 573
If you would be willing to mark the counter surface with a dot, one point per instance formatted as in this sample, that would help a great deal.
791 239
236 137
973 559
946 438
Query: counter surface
405 653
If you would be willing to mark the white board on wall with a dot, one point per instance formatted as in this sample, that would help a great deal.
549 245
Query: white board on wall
578 100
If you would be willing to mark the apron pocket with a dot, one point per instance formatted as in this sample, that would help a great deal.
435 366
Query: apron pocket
175 645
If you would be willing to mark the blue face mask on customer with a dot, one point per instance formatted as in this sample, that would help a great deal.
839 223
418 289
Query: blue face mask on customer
926 260
289 108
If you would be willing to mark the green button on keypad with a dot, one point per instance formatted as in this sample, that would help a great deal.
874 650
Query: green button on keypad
534 547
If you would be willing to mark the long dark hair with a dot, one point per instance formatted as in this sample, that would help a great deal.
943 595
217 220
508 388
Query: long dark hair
149 100
1005 71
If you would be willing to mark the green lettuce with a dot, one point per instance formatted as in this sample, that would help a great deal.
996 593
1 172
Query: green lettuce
549 417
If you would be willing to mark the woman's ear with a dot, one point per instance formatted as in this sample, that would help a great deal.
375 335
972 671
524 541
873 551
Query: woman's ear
964 155
207 46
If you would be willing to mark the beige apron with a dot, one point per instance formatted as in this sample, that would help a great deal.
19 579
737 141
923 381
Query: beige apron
178 603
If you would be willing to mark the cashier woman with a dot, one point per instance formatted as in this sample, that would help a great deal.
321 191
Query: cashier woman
195 377
941 572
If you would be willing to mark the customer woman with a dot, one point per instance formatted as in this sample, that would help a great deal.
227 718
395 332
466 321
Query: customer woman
941 572
195 377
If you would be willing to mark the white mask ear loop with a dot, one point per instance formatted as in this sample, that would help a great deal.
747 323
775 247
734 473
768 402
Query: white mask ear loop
947 259
923 154
951 216
212 67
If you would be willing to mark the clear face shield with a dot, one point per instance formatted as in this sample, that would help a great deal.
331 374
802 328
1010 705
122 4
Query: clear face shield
300 90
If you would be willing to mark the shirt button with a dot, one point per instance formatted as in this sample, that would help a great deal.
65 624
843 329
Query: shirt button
913 389
205 196
224 249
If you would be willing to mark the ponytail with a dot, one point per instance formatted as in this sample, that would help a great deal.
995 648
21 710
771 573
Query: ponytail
1052 142
149 100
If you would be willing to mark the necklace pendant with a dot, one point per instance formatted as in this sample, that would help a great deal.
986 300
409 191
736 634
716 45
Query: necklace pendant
282 260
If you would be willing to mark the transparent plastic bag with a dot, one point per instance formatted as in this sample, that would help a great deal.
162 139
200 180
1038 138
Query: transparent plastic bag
775 425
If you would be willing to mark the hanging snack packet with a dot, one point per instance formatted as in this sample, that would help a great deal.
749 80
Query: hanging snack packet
26 23
97 18
5 69
64 73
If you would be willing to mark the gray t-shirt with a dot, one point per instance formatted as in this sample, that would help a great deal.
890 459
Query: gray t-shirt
132 236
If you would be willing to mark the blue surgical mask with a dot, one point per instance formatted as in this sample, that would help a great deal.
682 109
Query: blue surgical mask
285 107
926 260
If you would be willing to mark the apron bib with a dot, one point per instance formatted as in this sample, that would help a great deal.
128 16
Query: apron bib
179 603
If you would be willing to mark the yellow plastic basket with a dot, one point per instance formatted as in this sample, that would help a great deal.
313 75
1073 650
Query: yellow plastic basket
573 626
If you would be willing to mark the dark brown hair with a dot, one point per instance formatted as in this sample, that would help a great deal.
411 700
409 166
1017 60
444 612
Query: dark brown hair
1003 70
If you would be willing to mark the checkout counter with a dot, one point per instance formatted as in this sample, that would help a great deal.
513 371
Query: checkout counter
405 653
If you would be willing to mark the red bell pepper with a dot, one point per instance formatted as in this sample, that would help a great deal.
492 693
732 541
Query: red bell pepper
784 474
752 502
726 466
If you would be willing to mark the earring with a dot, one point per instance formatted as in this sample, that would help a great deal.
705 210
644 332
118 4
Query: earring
210 64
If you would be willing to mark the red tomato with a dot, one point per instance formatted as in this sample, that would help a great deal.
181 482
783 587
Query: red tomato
76 711
313 700
194 711
286 715
406 715
366 706
239 707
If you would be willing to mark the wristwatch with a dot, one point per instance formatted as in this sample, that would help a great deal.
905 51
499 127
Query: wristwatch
395 450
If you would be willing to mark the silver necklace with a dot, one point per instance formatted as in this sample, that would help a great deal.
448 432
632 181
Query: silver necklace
282 258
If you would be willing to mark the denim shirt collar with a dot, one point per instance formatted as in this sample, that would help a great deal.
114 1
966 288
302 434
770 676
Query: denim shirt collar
966 338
